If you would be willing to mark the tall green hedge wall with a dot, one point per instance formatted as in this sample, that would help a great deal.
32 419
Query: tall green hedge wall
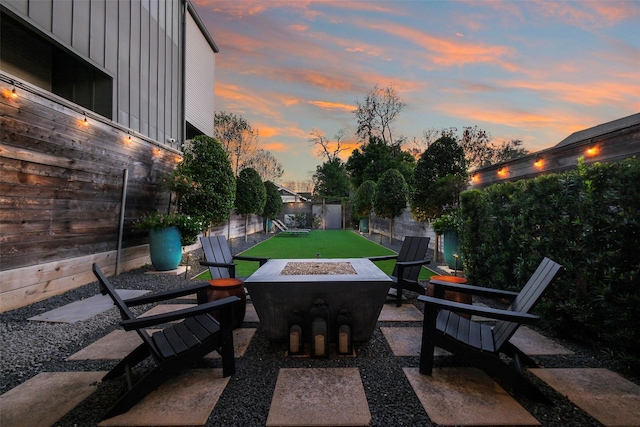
588 220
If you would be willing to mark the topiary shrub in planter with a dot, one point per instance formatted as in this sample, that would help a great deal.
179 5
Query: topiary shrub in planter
363 204
205 190
390 197
203 182
273 205
168 233
449 226
251 196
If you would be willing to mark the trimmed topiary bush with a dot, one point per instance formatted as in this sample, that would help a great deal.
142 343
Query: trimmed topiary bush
203 182
251 195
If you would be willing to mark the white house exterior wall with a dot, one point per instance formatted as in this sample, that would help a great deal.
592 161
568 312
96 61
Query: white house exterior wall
200 63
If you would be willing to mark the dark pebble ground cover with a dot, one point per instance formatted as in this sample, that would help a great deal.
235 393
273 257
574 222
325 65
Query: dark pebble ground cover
29 348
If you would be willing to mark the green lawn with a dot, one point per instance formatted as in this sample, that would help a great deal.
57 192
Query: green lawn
329 244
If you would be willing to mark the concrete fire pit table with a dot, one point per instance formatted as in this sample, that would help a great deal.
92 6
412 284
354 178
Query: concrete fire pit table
281 286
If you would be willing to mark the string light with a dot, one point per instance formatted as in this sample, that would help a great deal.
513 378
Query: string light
539 162
502 171
592 151
9 94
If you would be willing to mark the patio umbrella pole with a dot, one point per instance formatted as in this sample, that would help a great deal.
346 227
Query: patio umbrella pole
125 178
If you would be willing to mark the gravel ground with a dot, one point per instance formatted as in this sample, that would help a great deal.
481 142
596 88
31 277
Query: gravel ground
29 348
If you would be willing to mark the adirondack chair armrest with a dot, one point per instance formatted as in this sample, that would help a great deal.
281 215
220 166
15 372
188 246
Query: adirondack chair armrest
217 264
148 321
167 295
403 264
261 260
381 257
412 263
474 290
492 313
229 265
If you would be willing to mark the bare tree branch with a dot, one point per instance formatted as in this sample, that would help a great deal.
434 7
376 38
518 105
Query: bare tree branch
376 114
267 166
237 137
330 149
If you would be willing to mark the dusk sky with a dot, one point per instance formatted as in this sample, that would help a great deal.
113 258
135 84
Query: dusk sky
530 70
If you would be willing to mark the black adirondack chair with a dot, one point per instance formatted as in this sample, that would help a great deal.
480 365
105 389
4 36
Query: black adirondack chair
219 259
412 256
176 346
478 342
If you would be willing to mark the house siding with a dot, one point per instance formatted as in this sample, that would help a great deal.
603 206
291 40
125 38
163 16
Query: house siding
138 43
62 180
200 64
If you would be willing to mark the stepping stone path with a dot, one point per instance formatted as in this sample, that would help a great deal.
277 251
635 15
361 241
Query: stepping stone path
319 397
325 396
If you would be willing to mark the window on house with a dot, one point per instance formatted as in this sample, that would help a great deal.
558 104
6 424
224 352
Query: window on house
30 57
192 131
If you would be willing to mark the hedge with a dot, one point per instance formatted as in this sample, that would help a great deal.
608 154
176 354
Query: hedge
588 220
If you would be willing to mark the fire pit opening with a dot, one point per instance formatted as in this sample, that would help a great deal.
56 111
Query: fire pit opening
313 268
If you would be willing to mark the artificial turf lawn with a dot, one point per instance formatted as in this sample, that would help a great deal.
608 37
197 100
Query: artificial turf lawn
327 243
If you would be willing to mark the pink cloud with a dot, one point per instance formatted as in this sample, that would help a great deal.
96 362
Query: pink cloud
561 122
306 7
588 14
603 92
333 106
278 147
444 52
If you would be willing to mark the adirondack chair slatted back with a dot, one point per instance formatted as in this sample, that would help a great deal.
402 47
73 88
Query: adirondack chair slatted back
527 299
216 249
125 313
414 248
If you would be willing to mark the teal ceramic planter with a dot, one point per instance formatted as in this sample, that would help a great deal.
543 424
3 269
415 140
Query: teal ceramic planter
364 225
165 248
452 247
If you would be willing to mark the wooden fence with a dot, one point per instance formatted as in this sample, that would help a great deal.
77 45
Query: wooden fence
64 174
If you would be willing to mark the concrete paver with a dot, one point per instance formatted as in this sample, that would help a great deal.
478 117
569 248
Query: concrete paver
319 397
406 341
113 346
165 308
603 394
45 398
405 313
532 343
117 344
175 272
466 396
251 315
78 311
186 400
241 340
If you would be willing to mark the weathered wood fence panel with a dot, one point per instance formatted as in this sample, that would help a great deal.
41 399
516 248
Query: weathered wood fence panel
598 144
61 183
403 225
